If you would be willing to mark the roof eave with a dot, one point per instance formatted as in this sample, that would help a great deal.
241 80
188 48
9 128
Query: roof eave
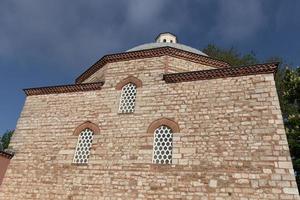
6 154
63 89
264 68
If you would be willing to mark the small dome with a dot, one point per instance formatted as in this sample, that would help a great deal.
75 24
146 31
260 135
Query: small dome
166 40
166 37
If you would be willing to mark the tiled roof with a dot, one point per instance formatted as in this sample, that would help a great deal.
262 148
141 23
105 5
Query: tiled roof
221 73
6 155
63 88
264 68
148 53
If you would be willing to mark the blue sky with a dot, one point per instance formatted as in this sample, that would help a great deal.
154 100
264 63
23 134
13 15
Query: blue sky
46 42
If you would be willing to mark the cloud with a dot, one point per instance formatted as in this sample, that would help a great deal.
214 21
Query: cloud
75 35
238 20
61 33
144 12
287 16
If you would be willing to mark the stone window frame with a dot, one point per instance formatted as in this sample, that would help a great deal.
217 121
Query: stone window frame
86 125
163 121
130 79
157 124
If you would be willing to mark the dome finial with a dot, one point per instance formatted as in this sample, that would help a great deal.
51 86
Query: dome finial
166 37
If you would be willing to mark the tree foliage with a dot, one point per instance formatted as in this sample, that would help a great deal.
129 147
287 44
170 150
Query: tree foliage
288 88
290 103
5 140
231 56
1 146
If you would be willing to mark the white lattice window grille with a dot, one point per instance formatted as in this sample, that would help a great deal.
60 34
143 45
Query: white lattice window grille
162 145
127 100
83 147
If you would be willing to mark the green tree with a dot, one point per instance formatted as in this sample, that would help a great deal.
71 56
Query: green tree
288 88
1 146
230 56
5 139
290 103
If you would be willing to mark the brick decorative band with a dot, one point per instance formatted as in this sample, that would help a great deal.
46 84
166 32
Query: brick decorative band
129 79
6 155
221 73
88 125
64 89
149 53
163 121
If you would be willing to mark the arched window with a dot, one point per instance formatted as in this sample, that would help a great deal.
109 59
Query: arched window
128 87
127 100
162 145
85 134
84 144
163 130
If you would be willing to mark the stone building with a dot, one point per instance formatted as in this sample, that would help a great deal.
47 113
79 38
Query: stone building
160 121
5 158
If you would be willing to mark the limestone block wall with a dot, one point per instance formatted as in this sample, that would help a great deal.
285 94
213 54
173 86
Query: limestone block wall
98 76
167 63
231 142
179 65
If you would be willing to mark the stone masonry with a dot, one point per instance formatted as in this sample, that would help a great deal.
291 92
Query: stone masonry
4 162
230 144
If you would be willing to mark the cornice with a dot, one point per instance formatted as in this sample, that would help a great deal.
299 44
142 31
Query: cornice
264 68
63 89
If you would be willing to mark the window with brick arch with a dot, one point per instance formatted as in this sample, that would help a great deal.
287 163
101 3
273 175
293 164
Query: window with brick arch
127 100
162 145
83 147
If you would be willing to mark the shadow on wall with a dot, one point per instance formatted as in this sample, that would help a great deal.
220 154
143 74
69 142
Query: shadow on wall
4 162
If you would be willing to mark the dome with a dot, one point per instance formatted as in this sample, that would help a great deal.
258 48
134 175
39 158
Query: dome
166 40
174 45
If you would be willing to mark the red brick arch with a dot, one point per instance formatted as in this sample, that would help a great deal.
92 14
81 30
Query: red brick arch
163 121
129 79
88 125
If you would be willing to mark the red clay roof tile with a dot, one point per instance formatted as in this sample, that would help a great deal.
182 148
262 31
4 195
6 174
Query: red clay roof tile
264 68
64 88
